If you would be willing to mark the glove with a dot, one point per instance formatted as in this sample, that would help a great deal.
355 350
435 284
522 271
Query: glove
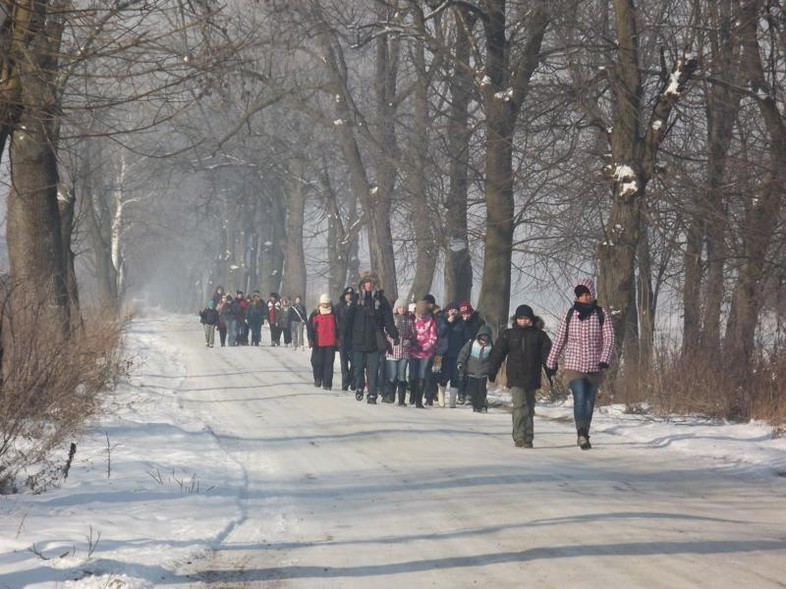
550 372
492 377
603 366
396 341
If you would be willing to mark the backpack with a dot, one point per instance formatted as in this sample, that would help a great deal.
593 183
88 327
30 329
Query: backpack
569 316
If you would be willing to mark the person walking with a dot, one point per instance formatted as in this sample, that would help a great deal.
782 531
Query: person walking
209 319
229 312
323 340
284 317
345 346
255 316
473 362
223 308
397 359
472 322
297 322
526 347
421 351
369 318
273 312
434 387
585 339
241 314
456 337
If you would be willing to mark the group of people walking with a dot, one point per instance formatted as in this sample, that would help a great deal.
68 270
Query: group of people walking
237 318
447 356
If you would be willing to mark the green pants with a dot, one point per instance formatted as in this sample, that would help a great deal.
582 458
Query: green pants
523 413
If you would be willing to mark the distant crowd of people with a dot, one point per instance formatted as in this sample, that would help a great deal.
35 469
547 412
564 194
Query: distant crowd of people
238 319
419 353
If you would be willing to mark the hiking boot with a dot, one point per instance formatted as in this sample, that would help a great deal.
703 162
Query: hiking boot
317 383
519 443
527 444
584 443
371 400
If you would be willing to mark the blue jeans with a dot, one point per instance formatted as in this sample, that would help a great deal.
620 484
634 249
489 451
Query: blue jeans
232 332
366 360
397 369
418 368
584 393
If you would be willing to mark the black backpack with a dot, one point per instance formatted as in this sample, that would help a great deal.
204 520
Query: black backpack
569 316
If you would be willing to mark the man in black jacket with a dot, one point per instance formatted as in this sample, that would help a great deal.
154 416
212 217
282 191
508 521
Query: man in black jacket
367 320
345 347
527 347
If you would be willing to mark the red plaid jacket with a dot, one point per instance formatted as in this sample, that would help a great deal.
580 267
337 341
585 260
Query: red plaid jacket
586 344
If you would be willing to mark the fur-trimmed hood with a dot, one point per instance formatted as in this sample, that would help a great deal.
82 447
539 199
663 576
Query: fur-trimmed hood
365 277
537 322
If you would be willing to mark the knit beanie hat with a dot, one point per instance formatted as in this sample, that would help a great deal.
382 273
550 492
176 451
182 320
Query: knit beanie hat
525 311
324 299
586 286
429 298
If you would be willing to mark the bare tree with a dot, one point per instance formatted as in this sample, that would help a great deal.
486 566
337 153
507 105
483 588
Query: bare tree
635 136
507 71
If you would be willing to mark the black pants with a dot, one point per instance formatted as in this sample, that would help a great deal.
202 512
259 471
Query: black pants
347 376
322 359
476 390
275 335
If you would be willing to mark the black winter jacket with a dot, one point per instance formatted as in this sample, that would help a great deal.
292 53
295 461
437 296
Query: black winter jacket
526 349
369 314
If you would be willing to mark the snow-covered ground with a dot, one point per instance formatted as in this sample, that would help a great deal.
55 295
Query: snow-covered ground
227 468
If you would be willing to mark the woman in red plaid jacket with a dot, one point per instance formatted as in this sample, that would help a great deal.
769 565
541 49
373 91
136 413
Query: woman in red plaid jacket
586 336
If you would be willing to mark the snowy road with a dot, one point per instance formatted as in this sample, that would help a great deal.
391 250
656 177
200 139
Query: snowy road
337 493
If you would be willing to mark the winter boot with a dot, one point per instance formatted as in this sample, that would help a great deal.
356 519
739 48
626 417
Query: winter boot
390 392
440 395
453 395
402 394
412 391
583 438
418 392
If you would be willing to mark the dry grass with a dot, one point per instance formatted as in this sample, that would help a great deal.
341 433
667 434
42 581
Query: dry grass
707 387
51 386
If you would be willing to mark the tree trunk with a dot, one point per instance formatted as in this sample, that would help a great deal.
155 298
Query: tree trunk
504 89
723 105
764 209
34 230
458 262
271 258
634 147
426 247
295 262
374 201
646 304
342 239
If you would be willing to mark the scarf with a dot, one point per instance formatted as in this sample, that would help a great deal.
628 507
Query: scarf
586 310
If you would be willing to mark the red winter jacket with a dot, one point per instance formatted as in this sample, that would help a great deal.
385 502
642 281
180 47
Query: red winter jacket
323 330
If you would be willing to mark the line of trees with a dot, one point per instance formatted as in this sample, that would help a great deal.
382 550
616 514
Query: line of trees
280 143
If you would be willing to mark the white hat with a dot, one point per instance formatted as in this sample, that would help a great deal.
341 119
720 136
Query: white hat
324 299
